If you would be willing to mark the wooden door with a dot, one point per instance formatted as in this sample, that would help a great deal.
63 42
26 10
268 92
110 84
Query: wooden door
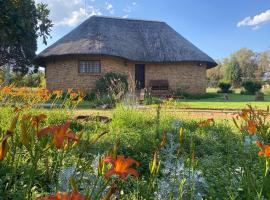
140 76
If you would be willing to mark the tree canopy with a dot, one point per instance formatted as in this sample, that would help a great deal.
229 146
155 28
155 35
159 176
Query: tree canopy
241 66
22 22
233 72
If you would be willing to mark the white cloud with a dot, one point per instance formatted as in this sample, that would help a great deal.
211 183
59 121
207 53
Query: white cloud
69 13
72 12
125 16
109 7
73 19
256 20
78 16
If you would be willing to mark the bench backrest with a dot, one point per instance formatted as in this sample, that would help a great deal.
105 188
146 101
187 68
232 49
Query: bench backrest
159 84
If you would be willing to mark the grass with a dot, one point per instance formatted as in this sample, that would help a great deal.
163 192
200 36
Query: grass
218 151
220 104
235 101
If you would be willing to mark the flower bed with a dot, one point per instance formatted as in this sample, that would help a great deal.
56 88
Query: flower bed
48 154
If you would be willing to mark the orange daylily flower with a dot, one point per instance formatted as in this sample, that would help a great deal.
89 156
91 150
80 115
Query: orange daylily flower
3 146
43 94
121 166
60 134
58 93
265 149
7 89
251 127
69 90
20 92
3 143
36 119
73 95
206 122
74 195
244 114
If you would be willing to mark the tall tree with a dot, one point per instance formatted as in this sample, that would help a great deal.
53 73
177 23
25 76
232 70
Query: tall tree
22 22
214 75
233 72
247 60
264 62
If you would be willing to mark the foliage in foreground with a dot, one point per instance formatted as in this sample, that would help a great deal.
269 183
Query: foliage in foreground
139 155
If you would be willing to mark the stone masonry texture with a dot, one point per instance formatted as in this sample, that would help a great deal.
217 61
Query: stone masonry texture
63 73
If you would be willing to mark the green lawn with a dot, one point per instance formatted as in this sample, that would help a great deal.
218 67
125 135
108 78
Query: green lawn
236 101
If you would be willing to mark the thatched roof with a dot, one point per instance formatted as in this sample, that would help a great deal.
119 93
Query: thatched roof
136 40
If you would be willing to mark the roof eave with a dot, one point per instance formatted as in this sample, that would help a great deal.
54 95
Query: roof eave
41 60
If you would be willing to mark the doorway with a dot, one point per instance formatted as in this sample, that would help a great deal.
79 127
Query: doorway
140 76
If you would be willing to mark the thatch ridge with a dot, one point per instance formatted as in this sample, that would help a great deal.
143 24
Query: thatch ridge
131 39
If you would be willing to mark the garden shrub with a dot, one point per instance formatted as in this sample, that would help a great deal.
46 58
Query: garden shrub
224 87
251 87
91 96
112 83
110 88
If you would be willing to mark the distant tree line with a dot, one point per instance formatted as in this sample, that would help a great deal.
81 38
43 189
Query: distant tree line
243 65
31 79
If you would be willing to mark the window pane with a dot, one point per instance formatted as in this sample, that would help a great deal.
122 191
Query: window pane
90 67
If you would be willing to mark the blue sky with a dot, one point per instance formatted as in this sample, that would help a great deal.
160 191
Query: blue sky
218 27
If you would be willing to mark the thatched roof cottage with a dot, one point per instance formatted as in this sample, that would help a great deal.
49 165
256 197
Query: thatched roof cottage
151 52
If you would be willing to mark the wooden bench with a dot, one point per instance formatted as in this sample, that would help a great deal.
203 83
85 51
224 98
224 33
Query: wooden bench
159 84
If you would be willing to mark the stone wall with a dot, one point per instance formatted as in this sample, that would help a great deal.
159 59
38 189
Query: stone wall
63 73
188 76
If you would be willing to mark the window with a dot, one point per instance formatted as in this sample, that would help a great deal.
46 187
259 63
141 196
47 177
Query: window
90 66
